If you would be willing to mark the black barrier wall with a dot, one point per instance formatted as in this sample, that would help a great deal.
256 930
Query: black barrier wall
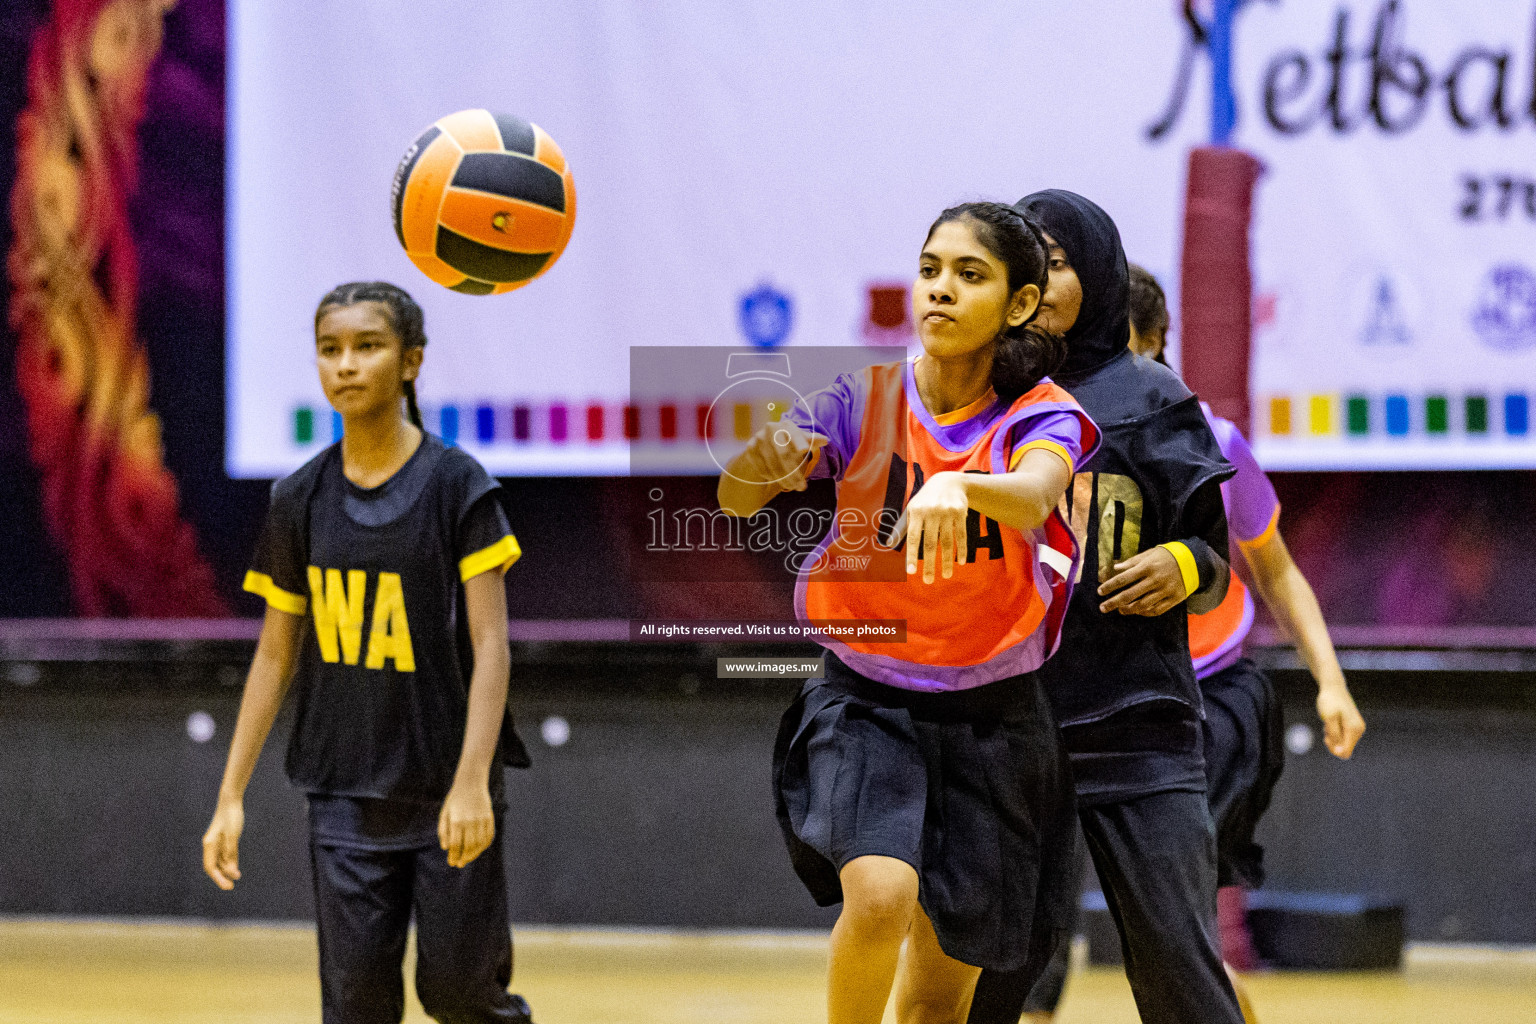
655 810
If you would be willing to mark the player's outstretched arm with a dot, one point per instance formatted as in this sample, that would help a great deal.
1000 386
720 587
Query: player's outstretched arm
467 824
1021 498
778 458
1290 599
266 685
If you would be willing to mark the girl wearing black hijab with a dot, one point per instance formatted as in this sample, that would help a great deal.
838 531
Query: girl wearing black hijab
1147 510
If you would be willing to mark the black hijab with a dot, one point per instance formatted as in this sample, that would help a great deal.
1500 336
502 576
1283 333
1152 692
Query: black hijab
1092 244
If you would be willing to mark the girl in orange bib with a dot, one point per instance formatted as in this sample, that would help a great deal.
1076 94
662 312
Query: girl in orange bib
922 782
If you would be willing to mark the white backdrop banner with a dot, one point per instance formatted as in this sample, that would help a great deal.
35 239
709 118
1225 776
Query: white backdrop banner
763 172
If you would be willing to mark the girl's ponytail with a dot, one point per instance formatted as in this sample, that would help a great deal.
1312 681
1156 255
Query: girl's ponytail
412 412
1025 356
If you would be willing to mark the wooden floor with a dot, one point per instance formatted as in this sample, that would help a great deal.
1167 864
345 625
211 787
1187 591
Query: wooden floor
84 972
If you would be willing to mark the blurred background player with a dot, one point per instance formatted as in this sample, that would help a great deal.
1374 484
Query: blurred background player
394 546
1244 745
923 784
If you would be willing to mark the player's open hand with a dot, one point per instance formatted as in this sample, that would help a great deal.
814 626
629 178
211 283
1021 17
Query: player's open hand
779 453
1149 583
1342 723
221 844
936 524
467 823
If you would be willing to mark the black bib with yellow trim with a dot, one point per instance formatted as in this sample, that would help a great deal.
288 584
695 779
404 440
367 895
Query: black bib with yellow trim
1155 478
383 677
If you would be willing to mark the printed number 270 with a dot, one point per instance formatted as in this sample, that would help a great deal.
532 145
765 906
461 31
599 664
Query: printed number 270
1497 197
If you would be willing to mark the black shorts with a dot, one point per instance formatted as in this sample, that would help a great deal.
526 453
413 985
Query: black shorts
1244 755
971 788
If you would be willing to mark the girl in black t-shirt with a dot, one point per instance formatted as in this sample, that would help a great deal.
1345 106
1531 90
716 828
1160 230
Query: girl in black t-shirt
381 562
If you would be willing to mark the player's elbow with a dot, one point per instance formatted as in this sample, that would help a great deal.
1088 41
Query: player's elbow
1041 501
728 503
1034 514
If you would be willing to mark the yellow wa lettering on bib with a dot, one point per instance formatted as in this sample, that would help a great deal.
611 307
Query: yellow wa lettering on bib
338 612
391 633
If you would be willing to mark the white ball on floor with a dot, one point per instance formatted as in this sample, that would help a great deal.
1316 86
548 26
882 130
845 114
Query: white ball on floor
555 731
1299 739
200 726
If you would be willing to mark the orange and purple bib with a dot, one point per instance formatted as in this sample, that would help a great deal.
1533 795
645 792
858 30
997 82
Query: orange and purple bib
1000 614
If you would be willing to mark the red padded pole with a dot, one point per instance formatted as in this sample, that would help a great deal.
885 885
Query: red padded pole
1215 301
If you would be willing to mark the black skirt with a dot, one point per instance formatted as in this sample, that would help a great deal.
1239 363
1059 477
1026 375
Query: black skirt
1244 755
971 788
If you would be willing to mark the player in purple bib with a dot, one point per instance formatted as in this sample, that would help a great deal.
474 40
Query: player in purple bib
1244 746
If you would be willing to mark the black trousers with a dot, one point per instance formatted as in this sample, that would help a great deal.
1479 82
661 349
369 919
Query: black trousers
1244 755
1156 860
364 901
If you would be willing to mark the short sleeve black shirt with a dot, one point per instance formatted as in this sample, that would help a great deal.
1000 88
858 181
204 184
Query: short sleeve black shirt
382 683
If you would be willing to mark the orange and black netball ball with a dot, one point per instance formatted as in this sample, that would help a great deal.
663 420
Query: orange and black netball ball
483 202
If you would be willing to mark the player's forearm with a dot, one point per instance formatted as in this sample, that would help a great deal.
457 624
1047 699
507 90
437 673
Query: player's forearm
1204 526
265 688
1285 591
1020 500
487 708
737 497
1023 497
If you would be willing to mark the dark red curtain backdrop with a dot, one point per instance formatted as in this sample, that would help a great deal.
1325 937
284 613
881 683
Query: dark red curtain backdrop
1381 548
109 503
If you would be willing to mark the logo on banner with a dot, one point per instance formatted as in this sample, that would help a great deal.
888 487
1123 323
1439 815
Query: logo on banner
1385 309
766 316
887 320
1505 315
1386 324
1361 71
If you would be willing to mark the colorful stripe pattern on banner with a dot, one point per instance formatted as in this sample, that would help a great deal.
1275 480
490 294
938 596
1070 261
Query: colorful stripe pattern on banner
1304 417
564 422
1293 417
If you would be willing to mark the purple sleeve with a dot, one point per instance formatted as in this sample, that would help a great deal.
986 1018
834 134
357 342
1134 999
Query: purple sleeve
834 412
1249 496
1061 428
